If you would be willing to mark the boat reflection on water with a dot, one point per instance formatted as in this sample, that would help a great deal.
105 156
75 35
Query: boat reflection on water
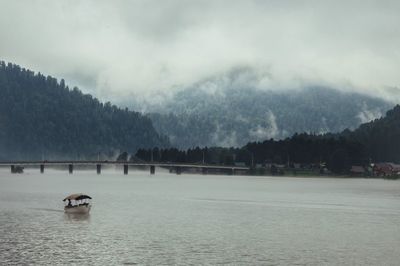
76 216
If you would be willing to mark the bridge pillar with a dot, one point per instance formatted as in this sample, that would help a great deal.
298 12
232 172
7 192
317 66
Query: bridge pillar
125 169
204 171
42 168
98 168
231 171
71 168
152 169
178 170
12 169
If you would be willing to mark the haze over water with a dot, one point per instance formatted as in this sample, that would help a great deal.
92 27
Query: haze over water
195 219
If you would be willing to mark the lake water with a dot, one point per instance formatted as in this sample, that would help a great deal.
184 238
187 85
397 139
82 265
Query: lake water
168 219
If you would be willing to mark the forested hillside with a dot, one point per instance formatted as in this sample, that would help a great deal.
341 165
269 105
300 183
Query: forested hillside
381 137
376 141
43 118
233 110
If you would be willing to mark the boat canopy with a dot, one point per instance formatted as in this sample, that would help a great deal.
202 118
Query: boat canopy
78 196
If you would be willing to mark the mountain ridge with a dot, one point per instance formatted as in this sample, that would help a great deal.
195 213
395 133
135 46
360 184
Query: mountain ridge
42 118
232 116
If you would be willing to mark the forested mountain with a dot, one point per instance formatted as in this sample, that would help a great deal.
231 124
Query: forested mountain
381 137
227 112
376 141
41 118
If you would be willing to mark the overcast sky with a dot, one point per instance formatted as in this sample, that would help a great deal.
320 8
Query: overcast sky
117 47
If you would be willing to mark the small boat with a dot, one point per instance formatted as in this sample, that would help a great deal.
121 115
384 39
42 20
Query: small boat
77 203
17 169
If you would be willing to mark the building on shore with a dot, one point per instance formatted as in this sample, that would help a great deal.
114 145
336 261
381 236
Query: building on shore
386 169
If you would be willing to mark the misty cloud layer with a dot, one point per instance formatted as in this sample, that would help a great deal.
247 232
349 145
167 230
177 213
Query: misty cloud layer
115 48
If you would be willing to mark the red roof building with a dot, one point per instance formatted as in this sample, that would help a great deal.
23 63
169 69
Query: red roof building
384 169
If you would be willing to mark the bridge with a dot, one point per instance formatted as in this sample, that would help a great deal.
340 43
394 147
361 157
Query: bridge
177 167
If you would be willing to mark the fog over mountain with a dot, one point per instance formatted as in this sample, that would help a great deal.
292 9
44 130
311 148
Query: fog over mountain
113 48
233 109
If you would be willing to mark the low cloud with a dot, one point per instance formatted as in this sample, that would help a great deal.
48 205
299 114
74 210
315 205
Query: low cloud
224 138
115 48
368 114
267 131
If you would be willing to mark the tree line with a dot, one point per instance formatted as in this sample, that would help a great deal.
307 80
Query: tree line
338 154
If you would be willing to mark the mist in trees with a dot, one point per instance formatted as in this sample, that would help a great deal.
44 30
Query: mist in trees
376 141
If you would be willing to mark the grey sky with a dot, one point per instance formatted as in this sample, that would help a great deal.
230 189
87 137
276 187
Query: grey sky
118 47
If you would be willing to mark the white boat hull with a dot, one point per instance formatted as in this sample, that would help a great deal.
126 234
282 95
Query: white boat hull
78 209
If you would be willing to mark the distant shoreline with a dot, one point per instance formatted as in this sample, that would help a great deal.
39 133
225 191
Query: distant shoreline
118 169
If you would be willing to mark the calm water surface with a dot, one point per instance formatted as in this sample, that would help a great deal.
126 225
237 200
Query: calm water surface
193 219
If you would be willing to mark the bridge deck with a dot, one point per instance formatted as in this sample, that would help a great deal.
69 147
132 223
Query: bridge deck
95 163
